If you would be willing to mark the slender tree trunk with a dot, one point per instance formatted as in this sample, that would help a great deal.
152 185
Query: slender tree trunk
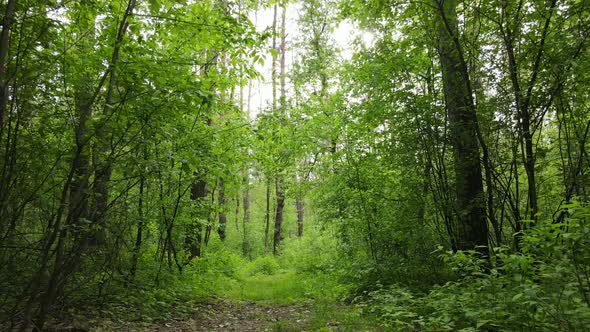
210 218
524 133
246 220
194 236
299 205
523 101
5 96
208 229
490 195
280 190
278 236
4 48
199 191
282 54
267 215
103 166
246 252
140 226
237 213
274 108
274 62
473 230
78 205
222 217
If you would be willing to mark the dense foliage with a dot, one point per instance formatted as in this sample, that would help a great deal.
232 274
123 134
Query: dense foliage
542 288
433 173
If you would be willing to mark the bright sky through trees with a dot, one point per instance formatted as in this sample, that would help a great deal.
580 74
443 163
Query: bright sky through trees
344 37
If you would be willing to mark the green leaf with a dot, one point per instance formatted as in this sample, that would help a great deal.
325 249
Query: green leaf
274 53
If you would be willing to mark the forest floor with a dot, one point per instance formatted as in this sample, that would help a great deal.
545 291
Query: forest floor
257 303
226 315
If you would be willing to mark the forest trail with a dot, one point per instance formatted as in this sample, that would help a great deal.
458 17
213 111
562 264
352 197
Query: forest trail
226 315
261 302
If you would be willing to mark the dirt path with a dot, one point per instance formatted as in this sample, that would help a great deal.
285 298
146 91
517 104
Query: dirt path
225 315
253 307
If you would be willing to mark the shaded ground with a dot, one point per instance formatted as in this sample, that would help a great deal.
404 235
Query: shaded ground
226 316
253 303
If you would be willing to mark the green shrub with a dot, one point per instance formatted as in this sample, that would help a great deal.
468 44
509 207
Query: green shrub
545 287
315 252
267 265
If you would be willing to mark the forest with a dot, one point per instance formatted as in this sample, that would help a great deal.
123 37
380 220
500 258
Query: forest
294 165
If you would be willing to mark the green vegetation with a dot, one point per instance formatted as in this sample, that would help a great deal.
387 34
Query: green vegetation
238 166
541 288
283 288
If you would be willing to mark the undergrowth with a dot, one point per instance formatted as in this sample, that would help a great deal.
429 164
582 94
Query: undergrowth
544 287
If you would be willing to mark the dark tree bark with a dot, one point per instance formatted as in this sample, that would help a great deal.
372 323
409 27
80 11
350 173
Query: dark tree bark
222 217
208 215
4 48
280 190
194 234
267 215
76 188
472 227
278 234
78 205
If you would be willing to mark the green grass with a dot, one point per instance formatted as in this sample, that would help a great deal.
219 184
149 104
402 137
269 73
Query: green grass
283 288
287 287
330 316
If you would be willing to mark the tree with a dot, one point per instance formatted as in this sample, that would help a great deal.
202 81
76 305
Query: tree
473 229
99 140
282 114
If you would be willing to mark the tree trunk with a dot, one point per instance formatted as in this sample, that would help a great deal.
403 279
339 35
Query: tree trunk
472 227
103 167
78 205
280 190
194 235
299 205
4 47
274 61
523 101
246 220
267 215
140 225
278 236
222 217
282 52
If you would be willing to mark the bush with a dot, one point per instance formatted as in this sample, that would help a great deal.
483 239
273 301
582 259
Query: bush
315 252
545 287
262 265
